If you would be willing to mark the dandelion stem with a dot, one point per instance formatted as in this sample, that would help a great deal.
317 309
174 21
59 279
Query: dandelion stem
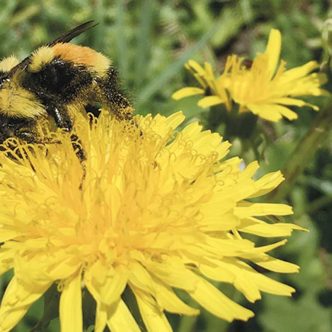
187 324
304 151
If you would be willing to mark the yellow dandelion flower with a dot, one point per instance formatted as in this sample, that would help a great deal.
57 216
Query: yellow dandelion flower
266 89
160 212
212 86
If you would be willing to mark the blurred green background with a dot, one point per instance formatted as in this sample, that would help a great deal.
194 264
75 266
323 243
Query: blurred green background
149 41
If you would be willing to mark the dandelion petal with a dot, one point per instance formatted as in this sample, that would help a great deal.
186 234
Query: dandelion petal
122 320
217 303
154 319
71 306
187 92
17 300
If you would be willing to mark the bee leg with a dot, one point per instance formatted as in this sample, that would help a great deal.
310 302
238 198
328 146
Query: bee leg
77 146
11 128
63 121
28 136
31 138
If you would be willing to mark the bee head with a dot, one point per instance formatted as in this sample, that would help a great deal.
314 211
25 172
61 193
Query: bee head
15 100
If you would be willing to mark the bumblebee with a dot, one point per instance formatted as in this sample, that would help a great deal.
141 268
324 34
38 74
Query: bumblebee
54 80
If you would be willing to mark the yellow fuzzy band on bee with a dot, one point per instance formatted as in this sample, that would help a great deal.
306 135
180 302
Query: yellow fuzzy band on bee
8 63
40 57
81 55
19 102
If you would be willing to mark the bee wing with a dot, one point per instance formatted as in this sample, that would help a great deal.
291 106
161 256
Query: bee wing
68 36
65 38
